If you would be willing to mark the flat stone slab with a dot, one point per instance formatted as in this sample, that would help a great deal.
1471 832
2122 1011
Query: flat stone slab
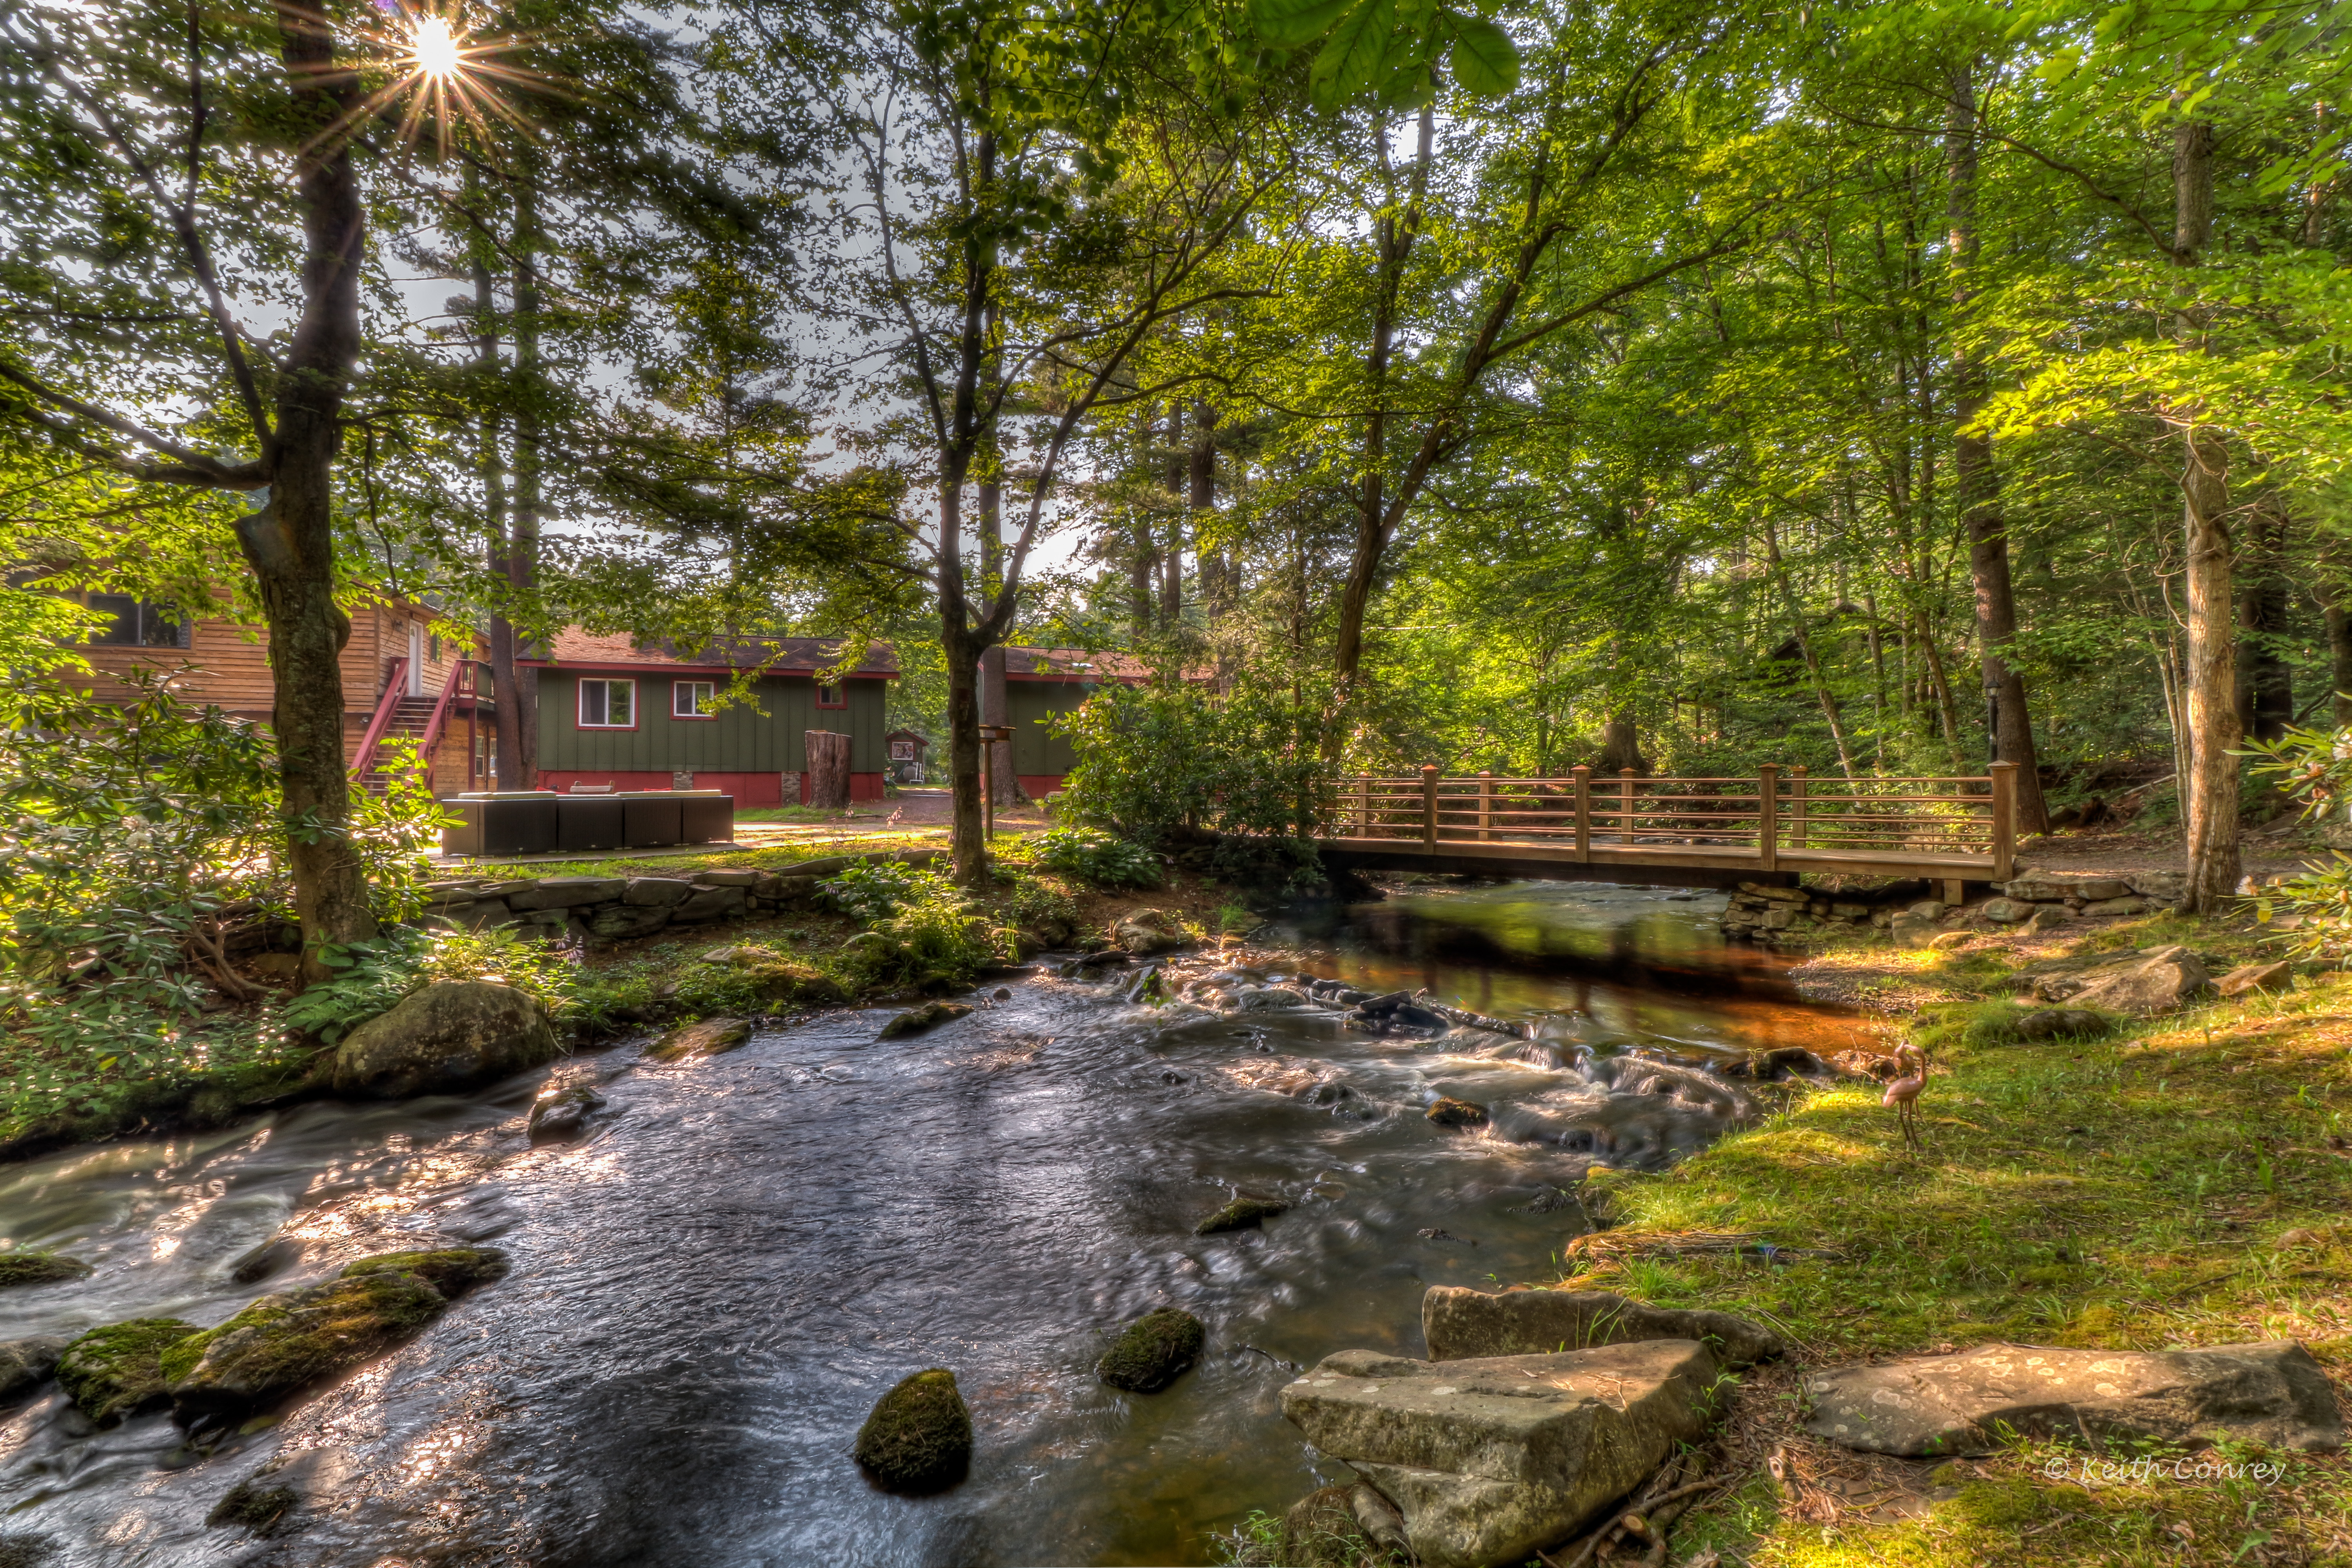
2271 1392
1490 1458
1460 1324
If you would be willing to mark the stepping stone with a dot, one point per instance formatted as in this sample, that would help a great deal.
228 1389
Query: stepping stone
1487 1459
1460 1324
2272 1394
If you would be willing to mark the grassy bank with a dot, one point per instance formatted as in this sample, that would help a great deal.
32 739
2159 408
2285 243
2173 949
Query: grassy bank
2184 1181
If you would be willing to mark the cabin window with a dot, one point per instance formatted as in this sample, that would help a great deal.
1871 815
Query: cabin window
902 751
608 704
693 699
433 648
137 624
830 696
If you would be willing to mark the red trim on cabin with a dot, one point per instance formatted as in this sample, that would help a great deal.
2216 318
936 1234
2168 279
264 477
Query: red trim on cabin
722 671
1035 785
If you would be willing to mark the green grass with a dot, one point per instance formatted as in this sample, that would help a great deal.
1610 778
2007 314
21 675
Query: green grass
777 858
2170 1185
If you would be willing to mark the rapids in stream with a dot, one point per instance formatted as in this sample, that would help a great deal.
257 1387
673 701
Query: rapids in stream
710 1290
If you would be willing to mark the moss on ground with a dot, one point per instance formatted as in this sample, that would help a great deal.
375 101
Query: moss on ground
919 1437
116 1372
1242 1213
2185 1181
39 1268
1319 1530
1154 1350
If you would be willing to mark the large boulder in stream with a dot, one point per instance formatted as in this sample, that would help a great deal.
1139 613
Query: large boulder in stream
1491 1459
452 1035
39 1268
1148 931
281 1344
919 1437
1460 1324
116 1372
2272 1394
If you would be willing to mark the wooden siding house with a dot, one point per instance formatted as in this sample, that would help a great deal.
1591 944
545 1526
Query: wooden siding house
1042 683
394 644
646 715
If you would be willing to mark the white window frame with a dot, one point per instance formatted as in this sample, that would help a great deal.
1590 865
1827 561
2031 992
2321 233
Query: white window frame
695 693
579 712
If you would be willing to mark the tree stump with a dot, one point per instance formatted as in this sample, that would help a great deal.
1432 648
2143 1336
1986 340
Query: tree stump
828 769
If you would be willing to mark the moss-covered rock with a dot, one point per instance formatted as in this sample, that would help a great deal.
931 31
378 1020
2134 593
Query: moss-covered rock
927 1016
709 1037
561 1111
26 1365
255 1504
1154 1350
1242 1213
451 1036
282 1345
39 1268
117 1371
1450 1112
919 1438
451 1270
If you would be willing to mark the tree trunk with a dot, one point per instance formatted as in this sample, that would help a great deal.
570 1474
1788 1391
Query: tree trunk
2009 728
828 769
1621 746
1396 237
291 541
996 708
2211 788
971 850
522 554
2339 650
506 712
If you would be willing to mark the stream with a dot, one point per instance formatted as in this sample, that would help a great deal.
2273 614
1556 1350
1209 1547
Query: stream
710 1290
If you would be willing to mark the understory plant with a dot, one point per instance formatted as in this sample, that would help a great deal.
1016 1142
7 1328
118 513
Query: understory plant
1099 858
1150 760
2311 911
876 890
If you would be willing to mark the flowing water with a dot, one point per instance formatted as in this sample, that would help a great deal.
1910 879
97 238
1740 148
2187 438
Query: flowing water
710 1290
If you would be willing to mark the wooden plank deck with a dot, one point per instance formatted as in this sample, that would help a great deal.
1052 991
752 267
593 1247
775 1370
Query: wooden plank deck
1679 832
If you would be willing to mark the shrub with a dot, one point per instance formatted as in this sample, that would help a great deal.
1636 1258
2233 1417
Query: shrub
1097 858
371 977
938 944
876 890
1153 759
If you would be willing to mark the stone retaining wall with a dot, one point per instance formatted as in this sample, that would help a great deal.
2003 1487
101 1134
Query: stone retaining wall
1789 917
598 911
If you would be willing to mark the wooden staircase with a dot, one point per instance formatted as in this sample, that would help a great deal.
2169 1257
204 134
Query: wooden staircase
411 720
420 718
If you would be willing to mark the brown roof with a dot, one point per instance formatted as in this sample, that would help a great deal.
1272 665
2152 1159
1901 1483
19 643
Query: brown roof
1072 663
778 656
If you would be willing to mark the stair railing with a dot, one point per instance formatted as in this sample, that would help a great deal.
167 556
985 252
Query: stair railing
363 760
461 677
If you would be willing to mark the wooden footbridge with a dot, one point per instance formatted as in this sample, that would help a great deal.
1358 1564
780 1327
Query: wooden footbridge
1680 832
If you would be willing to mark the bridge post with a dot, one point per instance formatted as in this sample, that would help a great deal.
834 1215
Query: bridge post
1429 806
1767 813
2004 820
1583 776
1486 804
1797 806
1626 808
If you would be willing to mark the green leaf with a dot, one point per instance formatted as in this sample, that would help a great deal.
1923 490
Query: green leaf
1290 23
1486 61
1350 62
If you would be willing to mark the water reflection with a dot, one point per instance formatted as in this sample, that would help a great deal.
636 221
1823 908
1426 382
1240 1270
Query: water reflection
708 1294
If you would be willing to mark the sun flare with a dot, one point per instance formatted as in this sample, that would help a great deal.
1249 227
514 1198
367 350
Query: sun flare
434 47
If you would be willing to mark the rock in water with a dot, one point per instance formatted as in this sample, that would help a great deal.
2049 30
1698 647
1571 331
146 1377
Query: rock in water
1488 1460
26 1365
255 1504
282 1345
116 1370
1154 1350
711 1037
1448 1111
1464 1325
927 1017
919 1438
561 1111
454 1034
39 1268
1242 1213
2272 1394
1148 931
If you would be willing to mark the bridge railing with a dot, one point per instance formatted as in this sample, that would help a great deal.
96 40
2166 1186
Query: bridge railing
1773 813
